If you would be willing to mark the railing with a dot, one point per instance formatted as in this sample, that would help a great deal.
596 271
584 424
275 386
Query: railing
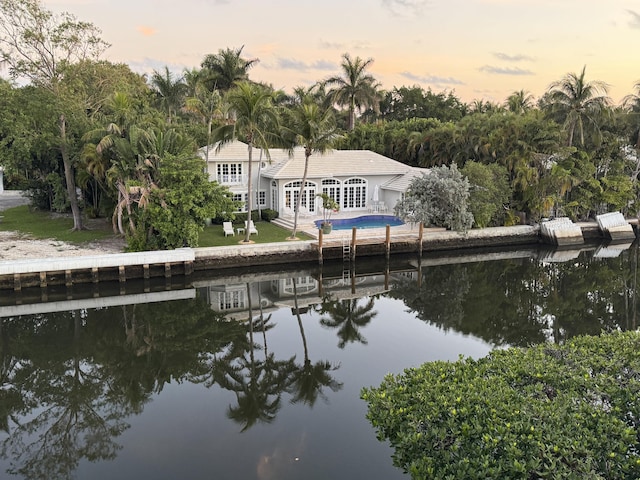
231 179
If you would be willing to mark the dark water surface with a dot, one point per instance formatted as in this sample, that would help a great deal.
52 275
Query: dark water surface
172 380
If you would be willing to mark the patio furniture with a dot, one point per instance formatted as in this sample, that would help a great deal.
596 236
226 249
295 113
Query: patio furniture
252 228
303 211
228 228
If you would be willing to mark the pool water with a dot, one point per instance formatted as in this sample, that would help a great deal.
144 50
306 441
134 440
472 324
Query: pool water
366 221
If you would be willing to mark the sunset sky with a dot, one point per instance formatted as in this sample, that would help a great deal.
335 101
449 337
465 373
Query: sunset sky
479 49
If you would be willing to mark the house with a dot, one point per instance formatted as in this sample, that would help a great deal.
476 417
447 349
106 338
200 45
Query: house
359 180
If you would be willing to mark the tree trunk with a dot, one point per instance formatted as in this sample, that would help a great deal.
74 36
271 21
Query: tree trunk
299 201
69 177
247 235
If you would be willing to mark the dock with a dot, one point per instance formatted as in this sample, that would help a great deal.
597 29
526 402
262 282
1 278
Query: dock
41 272
340 245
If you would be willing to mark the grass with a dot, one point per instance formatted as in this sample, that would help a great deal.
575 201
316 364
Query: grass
213 236
40 224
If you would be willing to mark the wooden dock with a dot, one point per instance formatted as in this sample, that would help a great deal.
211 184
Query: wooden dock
83 269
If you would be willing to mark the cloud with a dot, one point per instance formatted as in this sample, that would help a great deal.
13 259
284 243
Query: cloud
513 58
635 19
405 7
299 65
505 71
146 31
431 79
332 45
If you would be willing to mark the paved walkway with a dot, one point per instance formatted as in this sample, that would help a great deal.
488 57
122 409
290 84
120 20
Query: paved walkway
12 198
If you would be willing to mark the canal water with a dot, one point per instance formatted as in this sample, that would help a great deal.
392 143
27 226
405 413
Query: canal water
256 374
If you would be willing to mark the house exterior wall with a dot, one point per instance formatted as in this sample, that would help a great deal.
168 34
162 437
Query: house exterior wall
276 187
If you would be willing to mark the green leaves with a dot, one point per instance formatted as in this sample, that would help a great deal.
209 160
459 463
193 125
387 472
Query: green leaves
550 411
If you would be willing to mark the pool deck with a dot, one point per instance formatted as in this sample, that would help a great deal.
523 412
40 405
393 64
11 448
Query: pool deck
306 224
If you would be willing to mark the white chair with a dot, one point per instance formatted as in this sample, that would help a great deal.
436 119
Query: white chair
252 228
228 229
287 212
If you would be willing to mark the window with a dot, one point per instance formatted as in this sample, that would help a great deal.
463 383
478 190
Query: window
261 198
242 198
332 188
232 300
229 173
292 192
355 193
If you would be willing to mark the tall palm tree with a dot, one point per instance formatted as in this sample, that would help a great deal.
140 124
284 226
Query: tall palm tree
355 88
348 316
223 70
576 102
313 128
632 104
207 106
170 91
255 122
519 101
310 378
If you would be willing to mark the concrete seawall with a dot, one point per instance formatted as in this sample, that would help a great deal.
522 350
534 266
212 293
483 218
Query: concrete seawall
71 270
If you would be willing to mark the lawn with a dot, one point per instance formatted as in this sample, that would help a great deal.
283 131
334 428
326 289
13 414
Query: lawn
40 224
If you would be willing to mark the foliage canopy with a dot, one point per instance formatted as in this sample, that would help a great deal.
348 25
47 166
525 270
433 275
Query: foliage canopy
549 411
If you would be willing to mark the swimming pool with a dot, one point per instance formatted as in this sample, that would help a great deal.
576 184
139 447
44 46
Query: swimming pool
366 221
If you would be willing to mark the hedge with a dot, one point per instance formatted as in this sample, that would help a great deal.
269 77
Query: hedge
545 412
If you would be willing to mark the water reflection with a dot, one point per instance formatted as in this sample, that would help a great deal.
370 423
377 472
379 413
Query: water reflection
77 371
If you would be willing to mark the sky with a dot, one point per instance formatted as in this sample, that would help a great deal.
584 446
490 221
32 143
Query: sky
477 49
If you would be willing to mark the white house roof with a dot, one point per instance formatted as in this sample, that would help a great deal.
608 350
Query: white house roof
401 182
231 152
338 163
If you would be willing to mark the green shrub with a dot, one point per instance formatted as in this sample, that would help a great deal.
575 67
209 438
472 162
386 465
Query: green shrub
547 412
269 214
242 216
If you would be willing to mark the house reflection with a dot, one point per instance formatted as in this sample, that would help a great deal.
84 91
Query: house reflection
297 290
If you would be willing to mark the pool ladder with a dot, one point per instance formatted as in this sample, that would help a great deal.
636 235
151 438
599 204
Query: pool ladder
346 260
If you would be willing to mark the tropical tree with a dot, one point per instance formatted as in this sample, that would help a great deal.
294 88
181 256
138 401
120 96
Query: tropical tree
310 378
519 101
170 92
223 70
206 105
576 103
255 122
439 198
355 88
489 192
348 316
38 45
312 127
632 105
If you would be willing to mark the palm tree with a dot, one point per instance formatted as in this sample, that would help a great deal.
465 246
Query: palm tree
310 378
170 92
348 316
356 89
207 106
314 128
226 68
519 101
632 104
574 102
255 119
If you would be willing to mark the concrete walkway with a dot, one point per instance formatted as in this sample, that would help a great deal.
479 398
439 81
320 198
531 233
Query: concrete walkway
12 198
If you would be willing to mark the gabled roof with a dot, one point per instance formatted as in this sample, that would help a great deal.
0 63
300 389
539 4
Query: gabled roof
232 152
401 182
336 162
